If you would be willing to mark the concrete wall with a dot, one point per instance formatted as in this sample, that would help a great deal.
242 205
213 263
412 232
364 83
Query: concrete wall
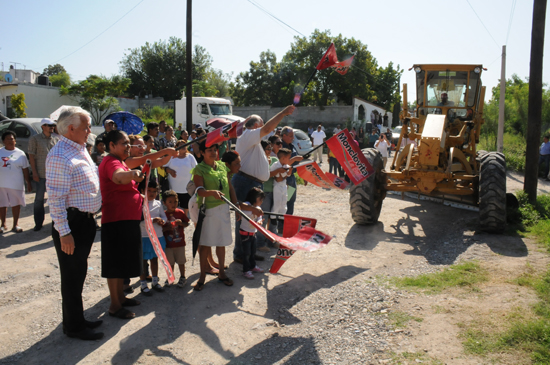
41 100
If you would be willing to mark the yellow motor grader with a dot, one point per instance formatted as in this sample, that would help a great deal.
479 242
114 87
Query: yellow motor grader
436 152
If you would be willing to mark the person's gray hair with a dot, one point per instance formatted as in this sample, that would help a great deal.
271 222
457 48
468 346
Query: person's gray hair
252 121
70 115
286 130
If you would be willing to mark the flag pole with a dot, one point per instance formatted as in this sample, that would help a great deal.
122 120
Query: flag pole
305 87
196 140
245 216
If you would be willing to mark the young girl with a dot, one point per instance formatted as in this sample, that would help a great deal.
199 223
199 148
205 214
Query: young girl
211 178
159 220
279 180
179 173
247 231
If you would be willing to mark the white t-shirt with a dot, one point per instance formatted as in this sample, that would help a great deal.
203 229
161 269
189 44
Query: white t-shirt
318 137
183 167
275 166
12 164
157 211
336 130
245 225
253 159
382 147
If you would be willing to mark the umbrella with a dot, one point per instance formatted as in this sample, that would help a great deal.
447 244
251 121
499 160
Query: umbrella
126 121
55 115
217 122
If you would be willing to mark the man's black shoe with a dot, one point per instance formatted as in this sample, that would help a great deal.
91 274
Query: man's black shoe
37 228
93 324
86 334
259 258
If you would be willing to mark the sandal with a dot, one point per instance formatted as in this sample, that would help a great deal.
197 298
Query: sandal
123 313
131 303
226 281
17 229
199 286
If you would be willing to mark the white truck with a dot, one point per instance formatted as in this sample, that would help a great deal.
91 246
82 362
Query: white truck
204 109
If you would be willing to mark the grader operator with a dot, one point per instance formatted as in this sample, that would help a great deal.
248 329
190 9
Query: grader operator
436 152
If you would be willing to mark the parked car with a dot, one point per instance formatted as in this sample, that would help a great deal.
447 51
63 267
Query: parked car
24 129
302 142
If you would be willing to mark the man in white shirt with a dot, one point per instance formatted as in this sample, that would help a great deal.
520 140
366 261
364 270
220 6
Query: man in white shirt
254 165
382 146
318 138
336 130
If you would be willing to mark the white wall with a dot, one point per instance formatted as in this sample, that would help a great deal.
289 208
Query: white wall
41 100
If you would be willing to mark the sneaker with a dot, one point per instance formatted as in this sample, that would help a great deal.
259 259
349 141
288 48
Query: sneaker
157 287
248 275
181 282
257 269
264 249
166 283
146 291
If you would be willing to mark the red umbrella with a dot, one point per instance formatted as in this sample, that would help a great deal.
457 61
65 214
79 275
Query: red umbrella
217 122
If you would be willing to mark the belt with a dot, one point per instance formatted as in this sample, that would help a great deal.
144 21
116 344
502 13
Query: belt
245 233
250 177
76 211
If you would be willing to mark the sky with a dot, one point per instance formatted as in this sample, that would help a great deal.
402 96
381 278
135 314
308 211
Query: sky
91 37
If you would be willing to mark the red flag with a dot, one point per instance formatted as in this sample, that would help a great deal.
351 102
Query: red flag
336 181
329 58
350 156
311 172
151 231
224 133
343 67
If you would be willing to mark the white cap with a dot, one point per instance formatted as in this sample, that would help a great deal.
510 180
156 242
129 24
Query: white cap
47 121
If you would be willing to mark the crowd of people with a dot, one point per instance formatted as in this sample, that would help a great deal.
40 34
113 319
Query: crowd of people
84 178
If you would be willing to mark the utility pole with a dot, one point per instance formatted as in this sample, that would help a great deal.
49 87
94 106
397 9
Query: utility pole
189 70
534 118
501 105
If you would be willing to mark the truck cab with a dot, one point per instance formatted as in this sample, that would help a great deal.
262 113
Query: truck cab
203 109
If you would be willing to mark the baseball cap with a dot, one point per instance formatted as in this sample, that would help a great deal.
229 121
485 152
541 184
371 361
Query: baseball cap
47 121
109 121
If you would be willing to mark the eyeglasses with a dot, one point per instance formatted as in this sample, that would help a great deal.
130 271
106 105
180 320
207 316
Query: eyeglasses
50 126
269 149
279 143
140 146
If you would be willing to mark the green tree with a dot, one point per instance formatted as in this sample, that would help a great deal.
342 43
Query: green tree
54 70
159 68
97 94
18 105
60 79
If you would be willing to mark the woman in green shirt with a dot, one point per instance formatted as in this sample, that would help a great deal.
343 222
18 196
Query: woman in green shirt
212 182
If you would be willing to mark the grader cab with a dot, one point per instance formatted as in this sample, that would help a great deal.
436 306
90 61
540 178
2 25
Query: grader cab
436 153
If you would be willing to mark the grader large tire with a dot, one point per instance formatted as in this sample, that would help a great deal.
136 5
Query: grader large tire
366 198
492 192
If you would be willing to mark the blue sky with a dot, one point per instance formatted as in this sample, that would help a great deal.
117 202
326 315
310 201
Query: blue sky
235 32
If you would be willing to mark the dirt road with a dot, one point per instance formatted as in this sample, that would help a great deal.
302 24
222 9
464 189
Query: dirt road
323 307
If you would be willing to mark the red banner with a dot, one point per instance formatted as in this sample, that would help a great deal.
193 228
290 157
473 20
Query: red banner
343 67
151 230
337 181
224 133
348 153
328 59
311 172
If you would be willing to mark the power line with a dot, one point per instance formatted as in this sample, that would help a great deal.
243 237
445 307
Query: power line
468 1
106 29
510 21
273 16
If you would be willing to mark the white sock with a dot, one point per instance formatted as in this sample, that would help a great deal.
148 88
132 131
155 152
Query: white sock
144 284
155 280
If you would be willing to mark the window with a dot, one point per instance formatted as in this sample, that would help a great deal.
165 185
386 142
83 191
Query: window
21 130
220 109
301 136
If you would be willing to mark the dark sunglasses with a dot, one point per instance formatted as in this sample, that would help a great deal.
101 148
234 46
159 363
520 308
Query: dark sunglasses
279 143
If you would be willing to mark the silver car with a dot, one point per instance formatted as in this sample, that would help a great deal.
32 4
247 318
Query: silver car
302 142
24 129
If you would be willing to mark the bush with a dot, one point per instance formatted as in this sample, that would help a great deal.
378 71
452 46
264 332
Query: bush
155 114
514 149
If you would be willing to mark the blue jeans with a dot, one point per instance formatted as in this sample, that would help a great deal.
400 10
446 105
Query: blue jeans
242 186
261 241
39 211
249 251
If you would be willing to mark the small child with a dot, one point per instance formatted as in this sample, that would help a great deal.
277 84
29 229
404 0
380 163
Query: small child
159 219
100 152
175 237
279 180
254 199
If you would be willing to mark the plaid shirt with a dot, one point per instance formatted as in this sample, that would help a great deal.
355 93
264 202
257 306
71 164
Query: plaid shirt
72 180
40 146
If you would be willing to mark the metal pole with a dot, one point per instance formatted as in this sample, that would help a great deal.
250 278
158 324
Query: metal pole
500 132
535 101
189 70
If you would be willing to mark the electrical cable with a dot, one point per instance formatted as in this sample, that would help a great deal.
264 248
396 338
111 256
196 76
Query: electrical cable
468 1
106 29
510 21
